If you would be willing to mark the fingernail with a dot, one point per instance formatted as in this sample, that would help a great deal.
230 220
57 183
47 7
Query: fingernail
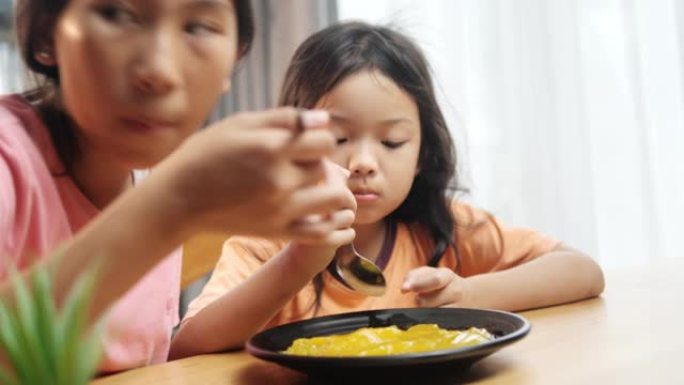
315 117
312 219
406 286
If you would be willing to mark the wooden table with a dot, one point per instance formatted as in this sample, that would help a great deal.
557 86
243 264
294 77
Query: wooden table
631 335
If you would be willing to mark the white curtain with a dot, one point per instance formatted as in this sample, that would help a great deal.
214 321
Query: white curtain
12 77
569 115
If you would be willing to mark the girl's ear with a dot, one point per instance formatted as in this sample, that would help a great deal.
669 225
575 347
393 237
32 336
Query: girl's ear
226 85
45 55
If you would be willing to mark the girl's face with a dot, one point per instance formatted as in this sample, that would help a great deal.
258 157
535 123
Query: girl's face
377 127
139 76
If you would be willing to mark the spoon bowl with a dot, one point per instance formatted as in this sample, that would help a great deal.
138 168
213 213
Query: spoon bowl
358 272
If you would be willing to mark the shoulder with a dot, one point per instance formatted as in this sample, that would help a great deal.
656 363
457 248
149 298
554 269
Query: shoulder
469 218
23 135
487 244
476 225
476 231
26 149
470 223
25 180
12 127
18 153
15 111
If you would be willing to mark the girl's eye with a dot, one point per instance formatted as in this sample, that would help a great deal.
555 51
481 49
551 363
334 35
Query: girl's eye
117 14
341 141
199 28
392 144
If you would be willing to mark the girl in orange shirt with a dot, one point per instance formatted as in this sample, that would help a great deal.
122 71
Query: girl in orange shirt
393 140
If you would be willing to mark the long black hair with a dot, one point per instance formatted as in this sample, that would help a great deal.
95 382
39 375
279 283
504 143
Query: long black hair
334 53
35 23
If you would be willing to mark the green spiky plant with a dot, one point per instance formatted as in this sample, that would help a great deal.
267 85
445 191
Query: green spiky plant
43 345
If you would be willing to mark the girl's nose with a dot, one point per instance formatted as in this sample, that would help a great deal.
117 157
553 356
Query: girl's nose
156 71
362 162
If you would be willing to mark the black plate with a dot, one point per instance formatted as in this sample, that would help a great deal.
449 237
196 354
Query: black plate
506 327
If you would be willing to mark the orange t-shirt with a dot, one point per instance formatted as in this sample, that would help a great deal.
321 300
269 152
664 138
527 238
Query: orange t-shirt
485 245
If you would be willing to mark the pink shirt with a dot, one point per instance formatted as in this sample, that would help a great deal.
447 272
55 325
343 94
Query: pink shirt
39 210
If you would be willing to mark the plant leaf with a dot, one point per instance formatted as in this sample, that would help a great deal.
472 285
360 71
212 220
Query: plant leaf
28 329
90 352
45 346
71 327
11 339
46 318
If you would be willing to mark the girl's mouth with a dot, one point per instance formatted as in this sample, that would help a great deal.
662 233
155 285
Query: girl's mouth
365 197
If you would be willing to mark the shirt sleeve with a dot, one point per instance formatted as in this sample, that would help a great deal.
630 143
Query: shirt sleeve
240 258
487 245
7 207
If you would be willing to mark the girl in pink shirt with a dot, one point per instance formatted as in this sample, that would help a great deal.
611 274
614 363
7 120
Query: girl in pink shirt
393 140
124 86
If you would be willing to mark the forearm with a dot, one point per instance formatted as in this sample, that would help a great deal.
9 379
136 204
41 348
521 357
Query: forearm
559 276
230 320
124 242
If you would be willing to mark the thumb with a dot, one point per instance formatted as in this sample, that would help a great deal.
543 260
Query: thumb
337 176
409 280
425 279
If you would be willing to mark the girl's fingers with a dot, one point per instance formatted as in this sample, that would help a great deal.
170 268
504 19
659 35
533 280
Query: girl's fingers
331 229
335 174
342 237
319 199
344 218
287 132
287 117
433 299
290 135
426 279
301 176
312 119
320 233
311 230
306 145
311 170
310 146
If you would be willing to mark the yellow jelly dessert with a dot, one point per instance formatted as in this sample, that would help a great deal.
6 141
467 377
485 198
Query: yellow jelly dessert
385 341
